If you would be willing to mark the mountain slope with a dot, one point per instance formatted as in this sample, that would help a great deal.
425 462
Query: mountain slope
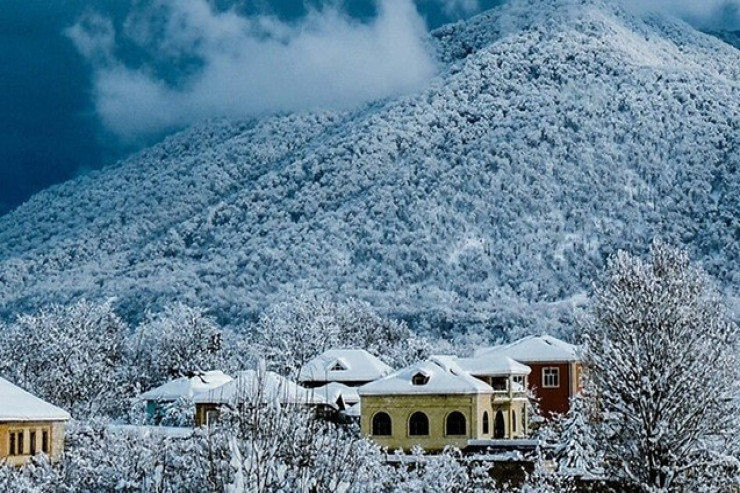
556 132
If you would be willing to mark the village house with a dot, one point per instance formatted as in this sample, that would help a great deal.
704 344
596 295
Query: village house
346 399
351 367
435 404
555 364
29 425
184 388
510 401
257 388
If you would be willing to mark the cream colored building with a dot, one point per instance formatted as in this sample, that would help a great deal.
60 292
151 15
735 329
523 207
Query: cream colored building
437 403
29 425
510 399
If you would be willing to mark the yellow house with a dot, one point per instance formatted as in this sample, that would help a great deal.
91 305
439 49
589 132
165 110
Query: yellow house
434 404
510 400
29 425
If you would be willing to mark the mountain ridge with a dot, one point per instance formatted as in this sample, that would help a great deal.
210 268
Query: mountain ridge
555 134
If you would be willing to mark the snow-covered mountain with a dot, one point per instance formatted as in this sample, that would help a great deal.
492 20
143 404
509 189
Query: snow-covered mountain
556 132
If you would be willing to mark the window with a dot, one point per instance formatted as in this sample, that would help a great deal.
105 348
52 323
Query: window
418 424
11 443
338 366
211 417
551 377
32 442
486 423
499 383
382 424
420 379
519 379
455 424
20 443
513 420
45 441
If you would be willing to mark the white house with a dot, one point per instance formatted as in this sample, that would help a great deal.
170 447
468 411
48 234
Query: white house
352 367
254 387
182 388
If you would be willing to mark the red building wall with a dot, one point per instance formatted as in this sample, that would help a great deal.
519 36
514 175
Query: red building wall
552 399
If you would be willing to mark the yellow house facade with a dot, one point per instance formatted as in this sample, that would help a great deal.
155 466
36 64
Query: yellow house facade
435 404
29 425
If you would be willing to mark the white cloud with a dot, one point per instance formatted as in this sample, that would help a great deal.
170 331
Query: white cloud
459 7
250 65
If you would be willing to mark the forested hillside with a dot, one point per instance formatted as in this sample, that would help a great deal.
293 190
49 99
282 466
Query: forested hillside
553 135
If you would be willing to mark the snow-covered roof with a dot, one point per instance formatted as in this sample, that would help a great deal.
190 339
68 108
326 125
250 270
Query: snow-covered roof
260 386
187 387
437 375
493 365
333 390
355 410
535 349
344 365
18 405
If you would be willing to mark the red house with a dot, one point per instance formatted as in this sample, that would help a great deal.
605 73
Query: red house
555 364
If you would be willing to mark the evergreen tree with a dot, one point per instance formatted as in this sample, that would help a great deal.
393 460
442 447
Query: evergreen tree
575 450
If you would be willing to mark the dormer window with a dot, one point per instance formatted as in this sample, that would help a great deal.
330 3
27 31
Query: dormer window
420 379
338 366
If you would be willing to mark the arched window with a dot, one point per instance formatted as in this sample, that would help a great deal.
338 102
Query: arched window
513 420
382 424
455 424
418 424
486 423
499 426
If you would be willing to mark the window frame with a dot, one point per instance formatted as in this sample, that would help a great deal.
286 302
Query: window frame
413 432
20 443
32 442
373 426
12 442
549 372
464 424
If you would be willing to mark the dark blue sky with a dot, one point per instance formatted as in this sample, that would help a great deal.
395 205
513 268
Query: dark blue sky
49 131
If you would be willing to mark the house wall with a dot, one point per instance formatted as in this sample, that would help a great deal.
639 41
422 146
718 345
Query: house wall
554 400
436 407
56 439
509 409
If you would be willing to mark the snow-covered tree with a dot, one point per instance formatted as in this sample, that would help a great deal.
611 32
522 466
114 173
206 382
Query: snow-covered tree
74 356
661 355
175 343
289 334
576 450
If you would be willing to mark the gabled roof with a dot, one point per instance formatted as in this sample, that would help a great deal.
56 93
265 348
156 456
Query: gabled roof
18 405
344 365
262 387
535 349
493 365
187 387
444 377
332 391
